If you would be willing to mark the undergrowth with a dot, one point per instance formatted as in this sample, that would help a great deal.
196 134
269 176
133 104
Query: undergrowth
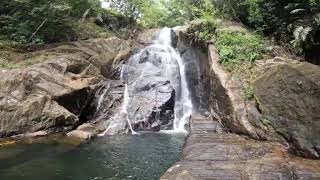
202 29
238 50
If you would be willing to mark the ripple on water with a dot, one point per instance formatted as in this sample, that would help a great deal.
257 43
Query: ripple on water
145 156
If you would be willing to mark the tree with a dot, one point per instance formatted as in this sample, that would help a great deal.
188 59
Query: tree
42 21
130 8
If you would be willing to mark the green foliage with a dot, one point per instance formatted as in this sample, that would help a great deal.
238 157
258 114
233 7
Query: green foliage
115 22
238 49
156 15
160 13
189 10
248 91
295 22
4 62
202 29
130 8
35 22
151 13
254 16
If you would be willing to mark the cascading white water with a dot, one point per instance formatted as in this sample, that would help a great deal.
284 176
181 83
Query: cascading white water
124 110
183 103
173 68
101 97
153 75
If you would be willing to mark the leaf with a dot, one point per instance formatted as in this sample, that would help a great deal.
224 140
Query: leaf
296 11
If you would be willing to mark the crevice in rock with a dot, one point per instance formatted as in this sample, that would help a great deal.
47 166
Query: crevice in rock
257 105
76 102
76 68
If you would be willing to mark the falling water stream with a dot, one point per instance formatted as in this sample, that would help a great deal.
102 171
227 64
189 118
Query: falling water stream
124 108
171 66
183 104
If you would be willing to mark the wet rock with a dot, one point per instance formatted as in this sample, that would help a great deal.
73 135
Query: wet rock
213 154
195 61
83 135
291 105
147 36
150 107
104 110
152 104
151 92
31 135
107 101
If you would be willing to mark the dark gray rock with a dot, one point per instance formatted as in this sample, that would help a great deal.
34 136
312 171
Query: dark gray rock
151 93
289 99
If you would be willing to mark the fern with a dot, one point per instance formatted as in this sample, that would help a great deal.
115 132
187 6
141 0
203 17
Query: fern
296 11
301 33
300 36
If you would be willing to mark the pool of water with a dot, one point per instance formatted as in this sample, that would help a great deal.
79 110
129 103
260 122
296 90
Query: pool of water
146 157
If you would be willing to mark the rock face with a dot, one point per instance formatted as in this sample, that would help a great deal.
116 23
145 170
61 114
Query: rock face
212 153
103 110
196 61
147 36
54 94
227 102
287 107
289 100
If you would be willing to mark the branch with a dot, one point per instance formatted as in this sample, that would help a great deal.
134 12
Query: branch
39 27
234 13
85 14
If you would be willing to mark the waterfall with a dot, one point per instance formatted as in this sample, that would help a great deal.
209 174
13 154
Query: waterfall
183 105
172 67
156 95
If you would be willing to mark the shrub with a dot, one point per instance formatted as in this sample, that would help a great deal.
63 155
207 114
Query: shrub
238 49
203 29
294 22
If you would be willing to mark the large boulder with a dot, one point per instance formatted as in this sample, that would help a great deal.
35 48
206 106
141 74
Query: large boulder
152 77
146 105
288 97
54 94
30 97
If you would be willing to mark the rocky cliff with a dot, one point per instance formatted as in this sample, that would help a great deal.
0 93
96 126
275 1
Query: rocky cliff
53 95
286 100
